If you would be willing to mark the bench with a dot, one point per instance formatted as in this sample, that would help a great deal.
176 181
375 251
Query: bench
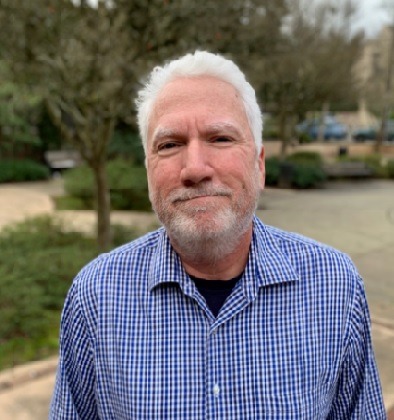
348 170
58 160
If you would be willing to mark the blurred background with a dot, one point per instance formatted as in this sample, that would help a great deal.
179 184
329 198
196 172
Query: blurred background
72 176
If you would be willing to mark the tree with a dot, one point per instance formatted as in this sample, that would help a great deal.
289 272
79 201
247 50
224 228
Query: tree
376 74
87 62
78 57
19 112
312 65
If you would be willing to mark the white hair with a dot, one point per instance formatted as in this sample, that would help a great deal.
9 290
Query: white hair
200 63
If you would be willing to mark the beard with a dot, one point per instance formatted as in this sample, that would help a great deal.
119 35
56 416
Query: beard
200 223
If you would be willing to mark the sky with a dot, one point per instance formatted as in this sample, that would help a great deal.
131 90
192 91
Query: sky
371 16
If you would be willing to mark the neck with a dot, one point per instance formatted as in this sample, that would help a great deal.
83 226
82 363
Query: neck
204 263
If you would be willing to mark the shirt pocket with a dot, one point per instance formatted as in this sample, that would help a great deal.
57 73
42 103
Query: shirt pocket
313 404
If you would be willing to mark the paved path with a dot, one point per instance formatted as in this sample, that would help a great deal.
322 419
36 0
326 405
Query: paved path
357 218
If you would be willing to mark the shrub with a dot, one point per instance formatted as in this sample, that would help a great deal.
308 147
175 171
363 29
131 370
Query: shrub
22 170
127 143
272 171
304 138
305 157
128 186
308 176
79 183
307 169
374 162
299 170
39 259
390 168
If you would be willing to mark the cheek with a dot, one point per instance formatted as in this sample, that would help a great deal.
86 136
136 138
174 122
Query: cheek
162 177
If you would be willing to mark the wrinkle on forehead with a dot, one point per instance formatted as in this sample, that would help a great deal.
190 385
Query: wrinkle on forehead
191 92
221 127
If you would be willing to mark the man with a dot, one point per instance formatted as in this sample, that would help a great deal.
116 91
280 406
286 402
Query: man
215 315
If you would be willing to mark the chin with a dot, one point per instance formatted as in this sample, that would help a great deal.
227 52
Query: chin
206 236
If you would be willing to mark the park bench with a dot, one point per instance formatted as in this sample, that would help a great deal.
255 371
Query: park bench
348 170
59 160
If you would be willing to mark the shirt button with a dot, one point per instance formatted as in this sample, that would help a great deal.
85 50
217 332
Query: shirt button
216 390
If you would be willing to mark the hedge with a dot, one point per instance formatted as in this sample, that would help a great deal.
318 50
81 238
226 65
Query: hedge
300 170
39 259
128 186
22 170
390 168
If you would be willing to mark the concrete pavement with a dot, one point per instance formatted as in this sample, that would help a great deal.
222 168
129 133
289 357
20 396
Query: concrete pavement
356 217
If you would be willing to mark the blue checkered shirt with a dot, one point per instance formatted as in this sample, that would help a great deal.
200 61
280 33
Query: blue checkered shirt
291 342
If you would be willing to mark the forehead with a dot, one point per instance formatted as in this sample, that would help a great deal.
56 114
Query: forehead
205 98
190 87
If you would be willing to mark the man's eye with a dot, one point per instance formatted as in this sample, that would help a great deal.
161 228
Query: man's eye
222 139
167 146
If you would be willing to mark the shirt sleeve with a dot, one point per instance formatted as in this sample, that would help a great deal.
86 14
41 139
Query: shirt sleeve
359 393
74 396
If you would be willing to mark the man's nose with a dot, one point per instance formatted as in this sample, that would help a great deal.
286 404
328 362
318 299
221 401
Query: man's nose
196 165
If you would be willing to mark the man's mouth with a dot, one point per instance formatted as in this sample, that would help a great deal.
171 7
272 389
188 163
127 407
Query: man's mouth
185 195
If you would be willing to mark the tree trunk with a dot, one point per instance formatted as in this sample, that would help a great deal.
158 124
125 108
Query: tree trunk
283 134
104 238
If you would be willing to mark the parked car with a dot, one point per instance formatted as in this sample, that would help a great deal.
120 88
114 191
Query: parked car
332 129
371 133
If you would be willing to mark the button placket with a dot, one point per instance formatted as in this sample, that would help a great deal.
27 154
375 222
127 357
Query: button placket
216 390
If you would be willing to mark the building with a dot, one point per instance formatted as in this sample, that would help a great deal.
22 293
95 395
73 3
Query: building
374 73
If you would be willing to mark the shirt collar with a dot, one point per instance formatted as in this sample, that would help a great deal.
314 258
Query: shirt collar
166 266
267 264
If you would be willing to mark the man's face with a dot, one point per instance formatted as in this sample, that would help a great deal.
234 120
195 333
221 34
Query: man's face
203 170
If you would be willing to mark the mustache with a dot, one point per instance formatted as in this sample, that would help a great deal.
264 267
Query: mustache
184 194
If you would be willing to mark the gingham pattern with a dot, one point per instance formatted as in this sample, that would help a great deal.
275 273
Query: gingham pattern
291 342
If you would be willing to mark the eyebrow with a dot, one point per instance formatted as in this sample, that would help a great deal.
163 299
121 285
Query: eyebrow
164 132
211 129
220 127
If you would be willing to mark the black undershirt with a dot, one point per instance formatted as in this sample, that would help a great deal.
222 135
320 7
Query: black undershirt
215 292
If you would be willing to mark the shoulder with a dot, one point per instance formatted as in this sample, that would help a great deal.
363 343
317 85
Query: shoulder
325 280
299 248
319 268
122 263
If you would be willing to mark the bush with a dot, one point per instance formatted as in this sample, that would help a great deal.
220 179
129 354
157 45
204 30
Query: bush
126 143
39 259
309 158
272 171
390 168
374 162
299 170
22 170
128 186
307 171
304 138
308 176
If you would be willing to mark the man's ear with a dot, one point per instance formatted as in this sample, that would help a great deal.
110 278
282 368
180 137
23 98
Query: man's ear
261 163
